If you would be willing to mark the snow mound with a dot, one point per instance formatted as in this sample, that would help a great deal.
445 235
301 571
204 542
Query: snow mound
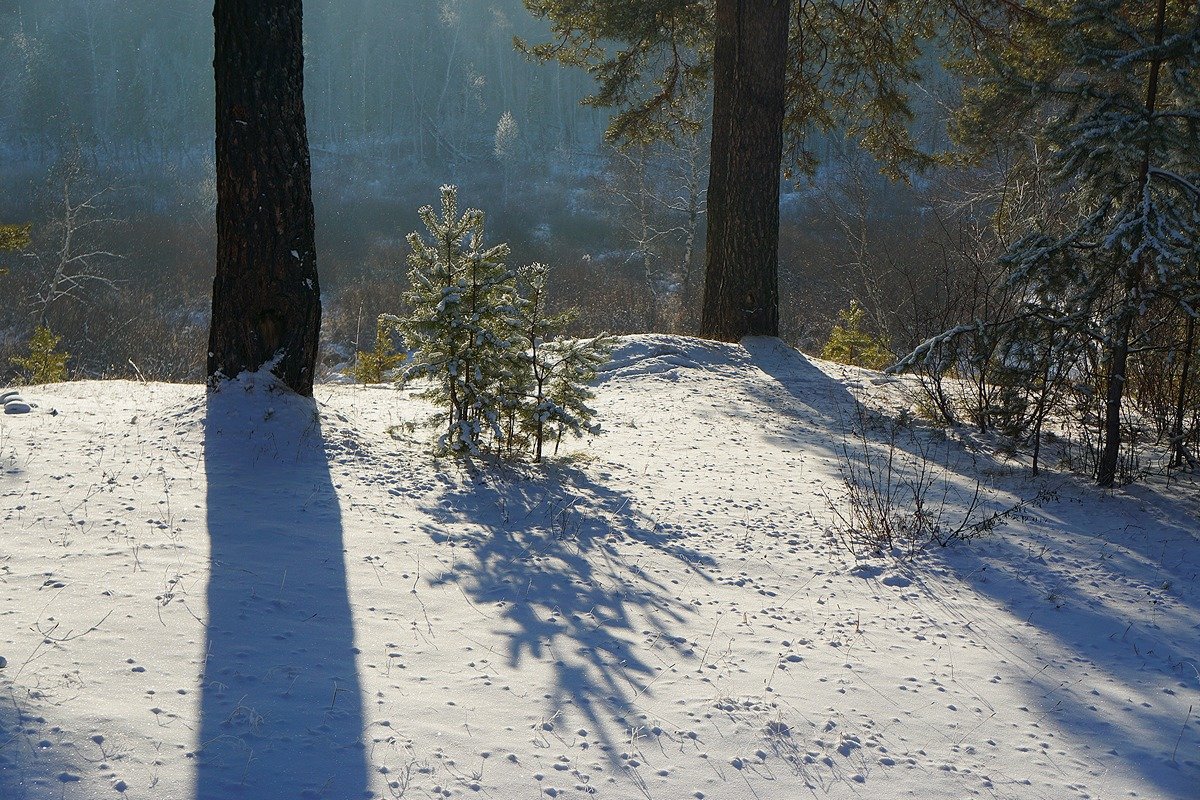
667 356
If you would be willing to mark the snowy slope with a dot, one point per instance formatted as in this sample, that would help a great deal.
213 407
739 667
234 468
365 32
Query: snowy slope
254 596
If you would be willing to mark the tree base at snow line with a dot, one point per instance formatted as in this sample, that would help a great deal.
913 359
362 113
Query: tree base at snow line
266 299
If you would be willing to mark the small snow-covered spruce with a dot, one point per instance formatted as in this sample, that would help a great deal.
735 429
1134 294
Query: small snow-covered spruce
1126 137
572 365
484 339
551 387
462 321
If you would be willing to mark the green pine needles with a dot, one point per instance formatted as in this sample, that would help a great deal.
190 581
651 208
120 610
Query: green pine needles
851 343
376 364
1121 89
480 333
552 390
45 363
13 237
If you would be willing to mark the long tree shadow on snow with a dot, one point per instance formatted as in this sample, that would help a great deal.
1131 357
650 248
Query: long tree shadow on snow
555 555
281 712
1128 672
799 390
1129 723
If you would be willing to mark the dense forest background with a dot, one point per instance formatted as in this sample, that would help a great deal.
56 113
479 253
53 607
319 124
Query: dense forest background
106 145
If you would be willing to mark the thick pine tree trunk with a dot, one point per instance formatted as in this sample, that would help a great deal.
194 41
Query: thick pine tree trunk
266 299
741 283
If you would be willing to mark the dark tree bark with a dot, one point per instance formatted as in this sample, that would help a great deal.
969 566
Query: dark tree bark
1106 469
741 281
266 299
1189 348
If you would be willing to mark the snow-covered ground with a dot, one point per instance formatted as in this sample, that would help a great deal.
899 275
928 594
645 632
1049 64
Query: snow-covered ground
252 596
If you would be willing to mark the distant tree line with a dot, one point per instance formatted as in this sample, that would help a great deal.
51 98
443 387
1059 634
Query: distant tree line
408 82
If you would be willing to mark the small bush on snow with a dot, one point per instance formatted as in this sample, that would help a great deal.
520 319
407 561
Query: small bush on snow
901 497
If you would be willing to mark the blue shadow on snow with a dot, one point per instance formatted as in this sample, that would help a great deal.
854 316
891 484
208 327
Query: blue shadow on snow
281 711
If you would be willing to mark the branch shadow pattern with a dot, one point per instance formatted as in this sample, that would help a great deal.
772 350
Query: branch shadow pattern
1046 578
556 554
281 707
1125 701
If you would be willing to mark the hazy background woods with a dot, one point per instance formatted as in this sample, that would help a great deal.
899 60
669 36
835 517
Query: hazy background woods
106 148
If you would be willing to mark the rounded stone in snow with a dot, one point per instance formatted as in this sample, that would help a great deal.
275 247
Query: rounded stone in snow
17 407
9 394
3 662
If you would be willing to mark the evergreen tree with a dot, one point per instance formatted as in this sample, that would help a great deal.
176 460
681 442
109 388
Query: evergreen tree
462 321
851 343
481 333
505 149
571 365
551 392
374 365
13 237
45 363
741 274
1119 83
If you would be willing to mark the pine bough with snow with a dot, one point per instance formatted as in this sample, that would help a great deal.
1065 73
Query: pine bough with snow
1119 82
481 334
